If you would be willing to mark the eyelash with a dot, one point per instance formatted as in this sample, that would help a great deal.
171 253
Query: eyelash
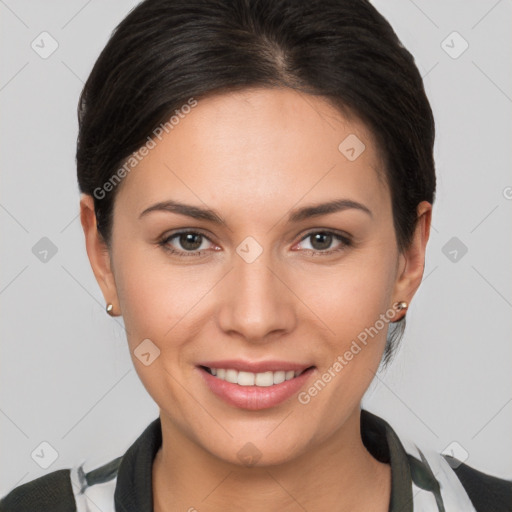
344 239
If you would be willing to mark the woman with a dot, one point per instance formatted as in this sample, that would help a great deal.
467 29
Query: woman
257 184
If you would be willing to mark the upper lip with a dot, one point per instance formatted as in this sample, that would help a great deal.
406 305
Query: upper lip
256 366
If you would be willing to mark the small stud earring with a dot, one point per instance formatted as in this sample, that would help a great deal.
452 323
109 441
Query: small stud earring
401 305
110 309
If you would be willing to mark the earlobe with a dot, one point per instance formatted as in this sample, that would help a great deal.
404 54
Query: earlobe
98 252
413 258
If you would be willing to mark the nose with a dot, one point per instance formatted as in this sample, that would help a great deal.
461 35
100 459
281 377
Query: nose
256 303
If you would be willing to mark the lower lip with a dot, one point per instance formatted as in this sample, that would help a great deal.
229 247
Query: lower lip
254 398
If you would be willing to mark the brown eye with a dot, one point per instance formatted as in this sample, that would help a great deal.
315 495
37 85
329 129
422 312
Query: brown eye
190 241
321 242
184 243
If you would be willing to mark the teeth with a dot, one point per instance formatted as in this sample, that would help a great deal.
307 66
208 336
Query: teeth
263 379
245 378
231 376
279 377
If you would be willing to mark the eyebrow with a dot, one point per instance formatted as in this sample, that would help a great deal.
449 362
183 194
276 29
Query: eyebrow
294 216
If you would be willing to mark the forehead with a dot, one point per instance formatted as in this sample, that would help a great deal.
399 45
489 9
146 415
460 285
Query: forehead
255 148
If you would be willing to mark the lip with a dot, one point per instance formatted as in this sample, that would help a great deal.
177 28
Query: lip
255 398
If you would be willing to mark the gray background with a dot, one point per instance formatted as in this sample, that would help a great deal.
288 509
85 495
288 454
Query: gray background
66 375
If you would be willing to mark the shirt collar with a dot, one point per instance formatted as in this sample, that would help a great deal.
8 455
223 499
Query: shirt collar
134 489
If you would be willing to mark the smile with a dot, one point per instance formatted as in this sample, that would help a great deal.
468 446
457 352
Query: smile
256 390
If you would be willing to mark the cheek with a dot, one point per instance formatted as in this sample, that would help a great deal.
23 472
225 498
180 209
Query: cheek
353 303
157 302
158 299
351 296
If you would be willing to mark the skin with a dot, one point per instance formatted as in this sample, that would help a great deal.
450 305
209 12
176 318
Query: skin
253 156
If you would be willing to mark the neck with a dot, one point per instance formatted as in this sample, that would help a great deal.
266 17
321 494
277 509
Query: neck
337 474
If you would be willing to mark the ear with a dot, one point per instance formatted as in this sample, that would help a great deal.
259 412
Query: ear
412 261
98 252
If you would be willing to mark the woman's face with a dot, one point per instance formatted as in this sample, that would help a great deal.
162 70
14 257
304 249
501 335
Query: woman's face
270 282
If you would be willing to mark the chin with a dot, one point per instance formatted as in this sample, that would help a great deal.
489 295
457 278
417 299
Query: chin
258 450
